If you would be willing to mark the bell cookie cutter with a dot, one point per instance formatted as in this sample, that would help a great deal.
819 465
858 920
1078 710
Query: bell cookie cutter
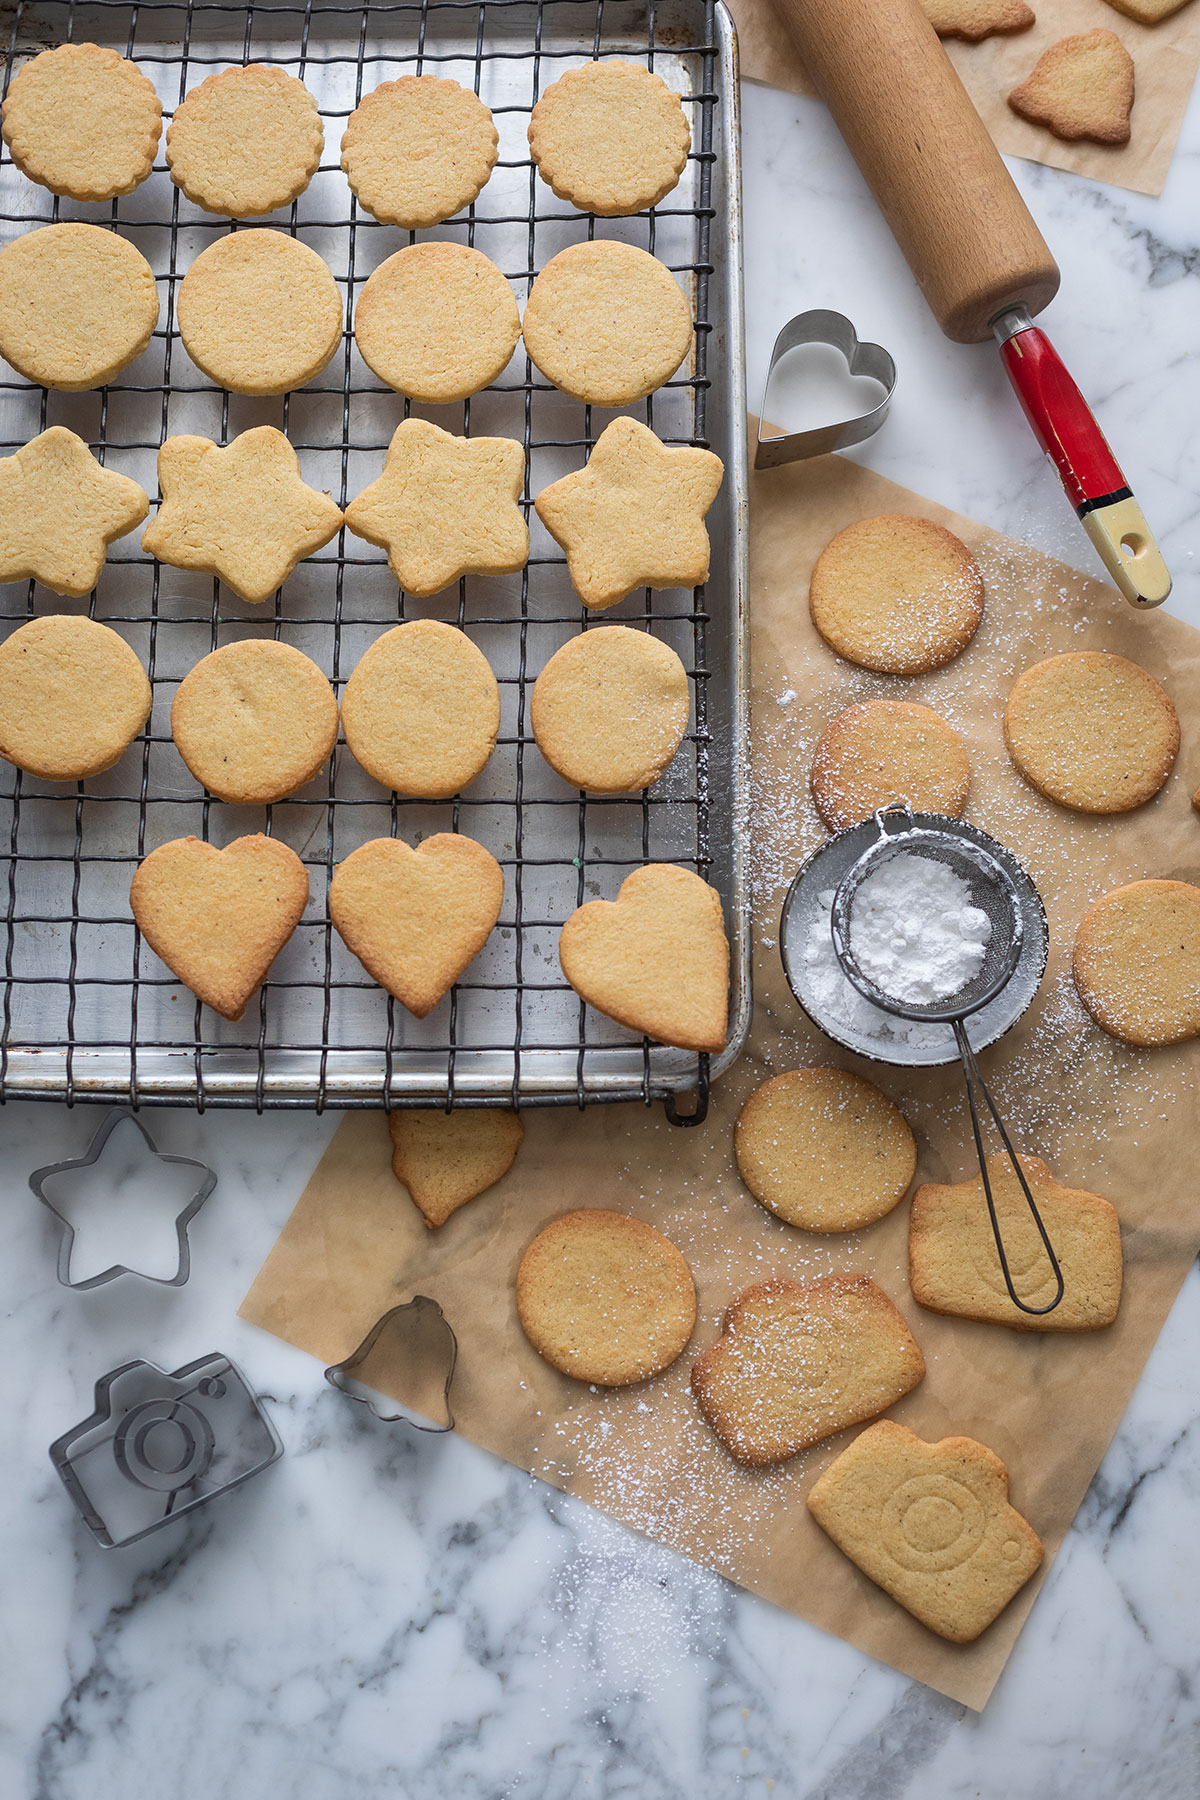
206 1182
824 327
159 1445
415 1337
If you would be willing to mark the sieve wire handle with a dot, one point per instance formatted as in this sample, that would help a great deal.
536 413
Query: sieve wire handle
975 1080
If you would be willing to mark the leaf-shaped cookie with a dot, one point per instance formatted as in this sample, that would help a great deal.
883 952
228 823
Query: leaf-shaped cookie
219 918
416 918
1081 87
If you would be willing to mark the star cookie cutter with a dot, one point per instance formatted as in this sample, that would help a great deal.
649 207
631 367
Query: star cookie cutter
206 1181
415 1338
872 360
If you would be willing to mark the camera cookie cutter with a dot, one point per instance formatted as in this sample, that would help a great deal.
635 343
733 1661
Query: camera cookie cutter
158 1445
413 1339
821 326
206 1181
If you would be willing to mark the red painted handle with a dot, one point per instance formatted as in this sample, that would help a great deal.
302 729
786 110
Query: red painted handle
1062 421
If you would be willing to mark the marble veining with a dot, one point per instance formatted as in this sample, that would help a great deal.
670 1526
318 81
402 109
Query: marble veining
386 1615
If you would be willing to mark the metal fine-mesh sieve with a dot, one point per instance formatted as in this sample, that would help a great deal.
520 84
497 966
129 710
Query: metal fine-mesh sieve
991 876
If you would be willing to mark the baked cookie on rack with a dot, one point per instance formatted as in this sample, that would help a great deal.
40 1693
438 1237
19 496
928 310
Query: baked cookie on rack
245 141
73 696
445 507
254 720
606 323
259 312
437 322
611 137
82 121
417 150
77 305
240 511
610 709
634 517
60 509
422 709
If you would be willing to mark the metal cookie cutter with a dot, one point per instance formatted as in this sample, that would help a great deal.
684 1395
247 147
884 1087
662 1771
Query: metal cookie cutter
160 1444
413 1349
206 1181
824 327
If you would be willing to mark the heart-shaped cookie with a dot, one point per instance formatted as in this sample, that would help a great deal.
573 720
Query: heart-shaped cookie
219 918
656 958
416 918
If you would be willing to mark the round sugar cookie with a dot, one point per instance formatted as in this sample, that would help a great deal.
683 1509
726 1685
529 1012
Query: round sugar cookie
82 121
1091 730
823 1149
260 312
417 150
884 750
437 322
1137 962
73 696
254 721
77 304
610 708
610 137
896 593
422 709
605 1298
606 323
245 141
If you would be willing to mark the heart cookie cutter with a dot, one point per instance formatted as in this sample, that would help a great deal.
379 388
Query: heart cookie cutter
822 326
415 1338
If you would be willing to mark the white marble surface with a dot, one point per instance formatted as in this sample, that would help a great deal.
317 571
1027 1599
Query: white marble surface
385 1615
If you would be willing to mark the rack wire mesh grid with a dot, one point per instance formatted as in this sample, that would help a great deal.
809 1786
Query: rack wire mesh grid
88 1011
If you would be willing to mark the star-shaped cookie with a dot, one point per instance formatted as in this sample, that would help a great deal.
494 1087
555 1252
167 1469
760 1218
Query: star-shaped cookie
242 512
59 512
443 507
635 516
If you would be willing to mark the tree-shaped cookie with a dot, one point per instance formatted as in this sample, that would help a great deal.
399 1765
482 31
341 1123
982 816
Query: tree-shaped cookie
59 512
444 507
1081 87
634 517
242 513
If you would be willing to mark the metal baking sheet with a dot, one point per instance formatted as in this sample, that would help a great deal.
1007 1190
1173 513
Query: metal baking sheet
88 1011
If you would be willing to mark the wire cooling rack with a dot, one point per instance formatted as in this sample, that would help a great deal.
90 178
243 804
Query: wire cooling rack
87 1010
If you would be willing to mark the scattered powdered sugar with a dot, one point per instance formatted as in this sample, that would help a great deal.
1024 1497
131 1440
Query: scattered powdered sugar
915 931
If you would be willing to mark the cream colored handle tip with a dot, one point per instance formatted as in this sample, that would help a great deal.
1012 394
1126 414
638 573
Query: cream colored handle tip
1128 550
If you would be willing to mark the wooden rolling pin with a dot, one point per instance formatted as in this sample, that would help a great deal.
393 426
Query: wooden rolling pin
968 237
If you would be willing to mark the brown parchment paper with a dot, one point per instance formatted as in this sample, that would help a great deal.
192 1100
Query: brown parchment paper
1120 1121
1165 60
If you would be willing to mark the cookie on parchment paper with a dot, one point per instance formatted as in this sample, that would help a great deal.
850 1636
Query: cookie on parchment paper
1093 731
973 20
896 593
254 720
416 918
60 509
610 709
605 1298
885 750
1147 12
655 959
931 1524
445 1158
611 137
219 918
606 323
422 709
245 141
73 696
824 1150
634 517
259 312
437 322
1137 962
82 121
1081 87
795 1364
417 150
77 305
